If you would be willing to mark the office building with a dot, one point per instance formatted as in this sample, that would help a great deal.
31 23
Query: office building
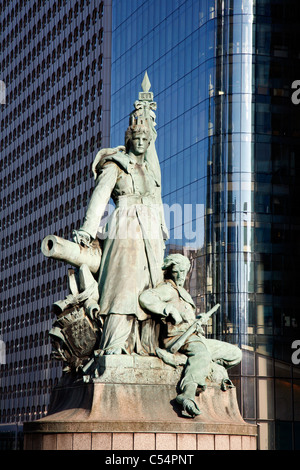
55 65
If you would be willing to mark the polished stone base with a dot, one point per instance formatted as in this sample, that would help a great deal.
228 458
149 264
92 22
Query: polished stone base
131 406
138 441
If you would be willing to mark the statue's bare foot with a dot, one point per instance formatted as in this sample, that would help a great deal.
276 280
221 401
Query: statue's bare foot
189 406
186 400
226 384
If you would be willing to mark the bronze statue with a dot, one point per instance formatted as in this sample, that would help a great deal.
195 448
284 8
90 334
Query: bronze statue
183 333
125 298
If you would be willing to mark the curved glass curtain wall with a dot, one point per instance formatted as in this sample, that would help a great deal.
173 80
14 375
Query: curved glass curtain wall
229 222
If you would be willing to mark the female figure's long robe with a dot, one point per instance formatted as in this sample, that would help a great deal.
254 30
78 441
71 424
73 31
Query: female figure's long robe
133 247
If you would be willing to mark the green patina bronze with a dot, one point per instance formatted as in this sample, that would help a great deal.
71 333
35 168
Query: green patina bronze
174 305
133 238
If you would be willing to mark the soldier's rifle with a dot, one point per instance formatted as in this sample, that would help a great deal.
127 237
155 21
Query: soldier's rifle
201 319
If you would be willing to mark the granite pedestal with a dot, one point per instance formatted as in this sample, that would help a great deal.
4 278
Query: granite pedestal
129 404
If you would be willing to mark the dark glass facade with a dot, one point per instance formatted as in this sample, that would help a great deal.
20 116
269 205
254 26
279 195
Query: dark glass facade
228 140
55 64
276 254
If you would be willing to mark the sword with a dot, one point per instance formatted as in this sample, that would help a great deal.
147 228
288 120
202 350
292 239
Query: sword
202 318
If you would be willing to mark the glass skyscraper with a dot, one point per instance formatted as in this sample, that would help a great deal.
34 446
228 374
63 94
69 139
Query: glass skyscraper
228 139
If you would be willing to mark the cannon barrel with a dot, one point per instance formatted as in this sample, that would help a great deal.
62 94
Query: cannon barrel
72 253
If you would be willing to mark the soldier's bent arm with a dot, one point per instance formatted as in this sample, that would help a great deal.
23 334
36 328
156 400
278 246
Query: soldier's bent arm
156 300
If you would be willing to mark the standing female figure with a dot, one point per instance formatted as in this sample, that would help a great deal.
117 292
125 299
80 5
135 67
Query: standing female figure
133 247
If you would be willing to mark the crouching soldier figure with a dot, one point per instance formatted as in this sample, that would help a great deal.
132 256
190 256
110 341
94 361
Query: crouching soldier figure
184 334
